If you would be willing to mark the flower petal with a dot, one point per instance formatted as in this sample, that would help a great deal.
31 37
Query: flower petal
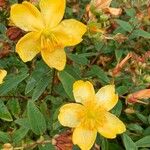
52 11
70 115
83 91
106 97
69 32
84 138
28 46
3 73
54 58
26 16
112 126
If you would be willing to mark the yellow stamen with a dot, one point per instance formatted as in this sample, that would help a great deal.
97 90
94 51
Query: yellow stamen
93 116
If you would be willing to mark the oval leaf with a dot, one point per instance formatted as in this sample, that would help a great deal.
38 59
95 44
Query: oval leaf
36 119
19 134
4 113
67 81
144 142
128 143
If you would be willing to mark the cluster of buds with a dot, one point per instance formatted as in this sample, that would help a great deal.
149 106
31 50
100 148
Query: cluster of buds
98 14
137 62
99 7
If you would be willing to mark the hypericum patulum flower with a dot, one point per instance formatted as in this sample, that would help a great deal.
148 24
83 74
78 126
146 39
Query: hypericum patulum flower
3 74
47 33
90 114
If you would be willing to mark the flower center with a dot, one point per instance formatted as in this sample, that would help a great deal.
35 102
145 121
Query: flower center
49 41
93 116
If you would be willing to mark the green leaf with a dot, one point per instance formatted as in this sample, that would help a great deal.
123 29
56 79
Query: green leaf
4 137
131 12
146 131
124 25
149 119
13 1
118 54
41 86
117 109
121 90
23 122
4 113
98 72
40 70
104 144
14 107
73 71
128 143
31 83
142 117
75 147
36 119
142 33
115 146
11 82
135 127
2 28
19 134
79 59
48 146
67 81
144 142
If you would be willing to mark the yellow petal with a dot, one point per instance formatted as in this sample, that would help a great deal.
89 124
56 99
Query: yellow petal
69 32
26 16
28 46
54 59
84 138
83 91
3 73
52 11
106 97
112 126
70 115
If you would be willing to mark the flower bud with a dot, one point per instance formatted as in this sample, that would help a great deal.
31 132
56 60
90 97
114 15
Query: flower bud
7 146
14 33
63 141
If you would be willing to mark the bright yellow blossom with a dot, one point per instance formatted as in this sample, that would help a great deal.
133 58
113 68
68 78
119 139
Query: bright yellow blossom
47 33
3 73
90 114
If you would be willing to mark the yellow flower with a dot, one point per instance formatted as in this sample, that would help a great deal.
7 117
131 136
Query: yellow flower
46 33
90 114
3 73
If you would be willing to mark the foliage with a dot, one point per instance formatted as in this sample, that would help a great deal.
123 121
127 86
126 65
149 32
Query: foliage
32 92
